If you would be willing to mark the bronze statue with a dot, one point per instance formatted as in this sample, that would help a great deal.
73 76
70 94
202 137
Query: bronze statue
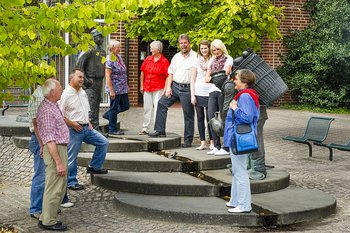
94 72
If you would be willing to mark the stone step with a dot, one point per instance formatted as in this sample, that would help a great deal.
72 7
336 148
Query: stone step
283 207
201 210
134 161
276 179
165 160
155 183
134 182
130 142
12 125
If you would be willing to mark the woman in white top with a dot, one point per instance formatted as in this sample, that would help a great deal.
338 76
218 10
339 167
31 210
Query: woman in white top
200 91
220 61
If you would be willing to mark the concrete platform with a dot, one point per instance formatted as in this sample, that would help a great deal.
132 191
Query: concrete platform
276 179
17 125
134 161
130 142
155 183
200 210
200 159
284 207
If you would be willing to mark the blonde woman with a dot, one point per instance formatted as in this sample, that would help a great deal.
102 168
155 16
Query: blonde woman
220 61
200 92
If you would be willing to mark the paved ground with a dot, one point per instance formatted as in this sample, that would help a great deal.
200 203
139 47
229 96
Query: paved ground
94 209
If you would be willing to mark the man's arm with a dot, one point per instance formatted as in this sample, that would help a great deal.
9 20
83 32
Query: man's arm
60 168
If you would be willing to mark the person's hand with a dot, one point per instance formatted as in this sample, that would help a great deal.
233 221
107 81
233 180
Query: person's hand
141 90
77 127
193 100
168 92
233 104
61 170
41 150
112 94
90 127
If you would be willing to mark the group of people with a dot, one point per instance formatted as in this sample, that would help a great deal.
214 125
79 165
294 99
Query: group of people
60 120
188 79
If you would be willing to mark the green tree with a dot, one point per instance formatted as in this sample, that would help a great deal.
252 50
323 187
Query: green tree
238 23
317 66
31 32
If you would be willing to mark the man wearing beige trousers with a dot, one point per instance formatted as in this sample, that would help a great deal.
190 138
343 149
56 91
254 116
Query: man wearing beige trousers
54 134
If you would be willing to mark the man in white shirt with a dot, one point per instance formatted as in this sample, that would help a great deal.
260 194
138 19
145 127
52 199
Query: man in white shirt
75 107
178 88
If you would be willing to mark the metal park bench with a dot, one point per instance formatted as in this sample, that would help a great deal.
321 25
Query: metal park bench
331 146
316 132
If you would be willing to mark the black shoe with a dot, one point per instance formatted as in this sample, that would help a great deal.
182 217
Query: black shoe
157 134
186 145
92 170
76 187
40 223
55 227
119 132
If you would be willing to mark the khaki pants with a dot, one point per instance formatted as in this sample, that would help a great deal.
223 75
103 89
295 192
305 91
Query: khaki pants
55 186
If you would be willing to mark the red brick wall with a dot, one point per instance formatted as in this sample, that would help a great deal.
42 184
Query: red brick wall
295 18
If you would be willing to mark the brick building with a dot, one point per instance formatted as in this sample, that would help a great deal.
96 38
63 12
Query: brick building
295 18
133 50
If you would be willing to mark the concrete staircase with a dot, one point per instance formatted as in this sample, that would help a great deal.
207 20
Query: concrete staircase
155 178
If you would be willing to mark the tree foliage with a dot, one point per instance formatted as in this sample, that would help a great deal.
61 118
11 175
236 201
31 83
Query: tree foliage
317 66
31 32
238 23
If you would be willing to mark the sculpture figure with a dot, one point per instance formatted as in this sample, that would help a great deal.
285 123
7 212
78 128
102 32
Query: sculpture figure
91 64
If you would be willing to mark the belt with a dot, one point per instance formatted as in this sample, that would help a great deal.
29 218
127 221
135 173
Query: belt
182 84
86 124
62 144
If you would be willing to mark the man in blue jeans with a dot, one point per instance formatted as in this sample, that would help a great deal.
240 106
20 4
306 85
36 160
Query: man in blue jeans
75 107
36 147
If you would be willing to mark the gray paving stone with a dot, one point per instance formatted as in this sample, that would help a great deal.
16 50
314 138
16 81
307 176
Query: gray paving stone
103 216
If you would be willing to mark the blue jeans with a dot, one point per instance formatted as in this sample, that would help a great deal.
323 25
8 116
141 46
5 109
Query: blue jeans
119 104
92 137
240 185
38 180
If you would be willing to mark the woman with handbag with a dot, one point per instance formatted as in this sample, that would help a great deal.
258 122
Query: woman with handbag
245 111
221 62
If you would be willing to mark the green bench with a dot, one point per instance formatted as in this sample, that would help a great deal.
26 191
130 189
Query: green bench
332 146
316 132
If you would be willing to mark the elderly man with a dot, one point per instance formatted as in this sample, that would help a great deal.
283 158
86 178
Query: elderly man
178 88
75 107
54 134
91 64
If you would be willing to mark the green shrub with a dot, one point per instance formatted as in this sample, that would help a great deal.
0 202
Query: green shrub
317 66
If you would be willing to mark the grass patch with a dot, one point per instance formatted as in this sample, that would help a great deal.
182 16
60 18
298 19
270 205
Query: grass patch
311 108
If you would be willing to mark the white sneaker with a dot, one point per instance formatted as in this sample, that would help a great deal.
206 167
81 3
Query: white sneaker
67 204
213 151
238 210
228 204
222 152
